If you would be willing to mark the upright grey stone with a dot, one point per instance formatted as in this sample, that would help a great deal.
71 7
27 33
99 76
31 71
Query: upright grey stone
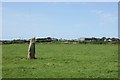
31 49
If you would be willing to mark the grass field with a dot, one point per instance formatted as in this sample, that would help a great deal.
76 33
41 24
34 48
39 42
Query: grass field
61 61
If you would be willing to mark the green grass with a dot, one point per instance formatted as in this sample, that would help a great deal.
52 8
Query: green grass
60 61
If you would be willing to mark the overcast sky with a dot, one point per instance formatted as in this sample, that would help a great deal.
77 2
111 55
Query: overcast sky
60 20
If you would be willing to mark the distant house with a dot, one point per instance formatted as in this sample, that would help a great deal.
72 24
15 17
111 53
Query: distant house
81 39
108 39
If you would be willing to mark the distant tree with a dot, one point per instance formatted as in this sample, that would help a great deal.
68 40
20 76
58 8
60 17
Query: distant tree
88 39
103 38
48 39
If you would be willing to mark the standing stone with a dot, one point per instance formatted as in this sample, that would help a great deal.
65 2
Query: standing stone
31 49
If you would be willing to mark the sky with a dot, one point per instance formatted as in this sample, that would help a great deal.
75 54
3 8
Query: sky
67 20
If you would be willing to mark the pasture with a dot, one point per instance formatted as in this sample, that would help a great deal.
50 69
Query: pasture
61 61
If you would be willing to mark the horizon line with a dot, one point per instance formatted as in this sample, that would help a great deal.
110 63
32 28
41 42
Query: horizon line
23 38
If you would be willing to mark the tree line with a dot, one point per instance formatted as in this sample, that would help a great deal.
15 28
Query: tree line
92 40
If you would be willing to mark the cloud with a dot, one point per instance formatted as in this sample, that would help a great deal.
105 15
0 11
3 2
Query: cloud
97 11
105 17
